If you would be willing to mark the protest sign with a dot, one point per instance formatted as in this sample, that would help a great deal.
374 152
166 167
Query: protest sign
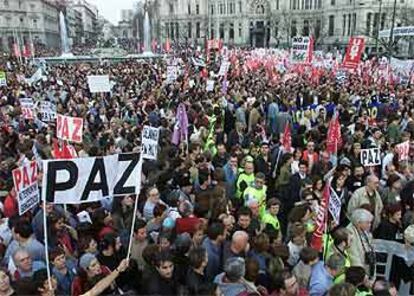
81 180
224 68
371 157
149 142
335 206
69 128
99 83
47 111
25 184
300 49
172 73
354 52
27 107
3 80
210 85
403 150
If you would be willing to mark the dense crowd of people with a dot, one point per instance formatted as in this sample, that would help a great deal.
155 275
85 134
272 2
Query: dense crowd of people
228 212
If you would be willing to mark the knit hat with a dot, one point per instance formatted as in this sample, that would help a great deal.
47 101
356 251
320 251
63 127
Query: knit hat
409 234
85 260
235 268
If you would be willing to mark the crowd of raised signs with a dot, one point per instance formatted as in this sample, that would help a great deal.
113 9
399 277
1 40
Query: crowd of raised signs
243 173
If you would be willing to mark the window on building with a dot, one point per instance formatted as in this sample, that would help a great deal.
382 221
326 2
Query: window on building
368 28
171 8
167 30
6 3
32 7
172 30
240 30
240 7
189 8
318 28
35 23
319 4
344 25
231 31
331 25
307 4
383 18
294 4
221 8
293 30
260 9
349 24
353 23
232 7
197 30
177 30
197 8
221 31
212 32
332 2
303 4
277 4
212 9
190 28
305 28
376 22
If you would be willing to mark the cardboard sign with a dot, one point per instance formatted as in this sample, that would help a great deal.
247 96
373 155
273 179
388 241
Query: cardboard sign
69 128
371 157
224 67
3 80
354 52
81 180
99 83
27 107
25 184
149 142
210 85
335 206
403 150
300 49
47 111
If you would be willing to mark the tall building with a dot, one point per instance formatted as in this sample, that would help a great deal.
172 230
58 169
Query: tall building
125 25
89 15
274 22
22 21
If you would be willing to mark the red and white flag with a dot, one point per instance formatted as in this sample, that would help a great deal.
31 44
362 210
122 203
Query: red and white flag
287 139
334 138
354 52
321 219
167 45
67 151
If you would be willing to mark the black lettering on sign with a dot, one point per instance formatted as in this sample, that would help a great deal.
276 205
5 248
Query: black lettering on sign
119 187
370 157
52 186
91 185
364 156
377 156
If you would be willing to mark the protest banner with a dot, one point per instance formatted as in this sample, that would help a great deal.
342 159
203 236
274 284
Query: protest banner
386 252
397 32
370 157
27 106
300 52
335 206
25 184
210 85
47 111
69 128
3 80
354 52
403 150
149 142
99 83
81 180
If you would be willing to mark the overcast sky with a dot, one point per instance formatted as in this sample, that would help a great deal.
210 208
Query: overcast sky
111 9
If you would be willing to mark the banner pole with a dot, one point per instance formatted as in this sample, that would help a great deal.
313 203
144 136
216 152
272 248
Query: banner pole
134 217
46 244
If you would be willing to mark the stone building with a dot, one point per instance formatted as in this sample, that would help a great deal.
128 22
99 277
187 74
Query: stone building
274 22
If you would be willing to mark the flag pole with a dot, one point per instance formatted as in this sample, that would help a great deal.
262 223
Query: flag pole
45 234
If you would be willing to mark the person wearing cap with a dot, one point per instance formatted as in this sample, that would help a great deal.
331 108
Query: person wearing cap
368 195
257 191
270 215
245 178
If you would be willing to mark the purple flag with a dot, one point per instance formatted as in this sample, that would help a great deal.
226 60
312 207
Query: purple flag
181 126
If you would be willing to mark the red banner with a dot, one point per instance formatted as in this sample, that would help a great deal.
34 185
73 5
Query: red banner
354 52
321 220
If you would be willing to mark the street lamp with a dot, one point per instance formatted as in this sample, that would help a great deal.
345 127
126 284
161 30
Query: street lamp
378 27
390 42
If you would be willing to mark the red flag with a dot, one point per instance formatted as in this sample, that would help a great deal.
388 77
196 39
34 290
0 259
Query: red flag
287 139
310 49
66 152
16 50
321 219
354 52
334 138
167 45
154 45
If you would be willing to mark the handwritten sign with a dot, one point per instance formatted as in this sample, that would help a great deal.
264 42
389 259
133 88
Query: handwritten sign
149 141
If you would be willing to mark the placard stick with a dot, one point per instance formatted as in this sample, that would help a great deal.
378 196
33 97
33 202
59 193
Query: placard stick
46 244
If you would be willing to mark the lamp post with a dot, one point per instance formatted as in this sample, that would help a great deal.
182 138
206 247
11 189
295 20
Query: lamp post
378 27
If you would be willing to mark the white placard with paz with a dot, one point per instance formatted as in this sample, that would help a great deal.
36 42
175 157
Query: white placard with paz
403 150
149 140
69 128
371 157
210 85
27 107
99 83
25 184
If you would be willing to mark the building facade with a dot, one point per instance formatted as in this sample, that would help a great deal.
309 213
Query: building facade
264 23
25 20
89 15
